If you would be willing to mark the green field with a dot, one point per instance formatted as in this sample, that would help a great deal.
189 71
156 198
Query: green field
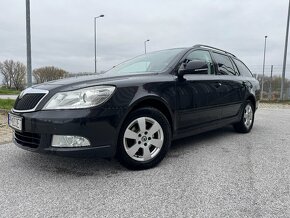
5 91
6 104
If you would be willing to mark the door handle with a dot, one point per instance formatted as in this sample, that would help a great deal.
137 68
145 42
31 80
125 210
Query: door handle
217 84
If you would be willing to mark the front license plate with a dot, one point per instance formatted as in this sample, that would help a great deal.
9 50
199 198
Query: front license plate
15 122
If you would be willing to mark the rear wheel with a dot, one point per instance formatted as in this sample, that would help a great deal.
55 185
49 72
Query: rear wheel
144 139
246 123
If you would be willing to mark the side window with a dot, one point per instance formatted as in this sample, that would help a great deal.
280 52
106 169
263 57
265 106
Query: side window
225 66
203 56
235 67
244 71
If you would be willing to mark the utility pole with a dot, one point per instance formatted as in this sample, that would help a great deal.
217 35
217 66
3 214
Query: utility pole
95 39
270 85
262 88
285 55
28 43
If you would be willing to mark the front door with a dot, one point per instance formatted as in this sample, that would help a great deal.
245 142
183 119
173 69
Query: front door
198 97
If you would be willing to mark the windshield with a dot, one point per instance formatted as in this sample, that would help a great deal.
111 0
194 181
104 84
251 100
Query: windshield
152 62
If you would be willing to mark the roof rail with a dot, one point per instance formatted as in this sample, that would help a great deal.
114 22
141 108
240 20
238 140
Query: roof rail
210 47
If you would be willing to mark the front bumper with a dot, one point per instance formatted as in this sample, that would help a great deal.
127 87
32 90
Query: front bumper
99 125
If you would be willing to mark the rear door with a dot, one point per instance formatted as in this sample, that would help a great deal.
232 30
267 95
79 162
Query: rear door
232 89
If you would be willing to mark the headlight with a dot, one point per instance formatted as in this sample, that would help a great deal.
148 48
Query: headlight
81 98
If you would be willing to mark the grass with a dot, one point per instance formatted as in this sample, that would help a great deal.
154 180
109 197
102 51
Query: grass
5 91
6 104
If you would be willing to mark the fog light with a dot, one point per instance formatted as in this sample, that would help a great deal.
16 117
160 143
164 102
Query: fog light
66 141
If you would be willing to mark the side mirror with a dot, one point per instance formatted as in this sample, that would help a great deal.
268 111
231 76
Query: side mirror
193 67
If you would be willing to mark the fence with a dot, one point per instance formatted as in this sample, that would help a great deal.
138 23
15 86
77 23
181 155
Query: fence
272 81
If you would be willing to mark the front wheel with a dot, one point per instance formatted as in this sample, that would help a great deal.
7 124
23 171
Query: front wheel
144 139
246 123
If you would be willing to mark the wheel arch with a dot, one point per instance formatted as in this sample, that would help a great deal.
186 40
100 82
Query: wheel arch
253 100
154 102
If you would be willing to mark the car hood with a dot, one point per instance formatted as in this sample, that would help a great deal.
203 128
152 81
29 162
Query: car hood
86 81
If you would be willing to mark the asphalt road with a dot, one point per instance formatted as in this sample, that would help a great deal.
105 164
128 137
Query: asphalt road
217 174
8 97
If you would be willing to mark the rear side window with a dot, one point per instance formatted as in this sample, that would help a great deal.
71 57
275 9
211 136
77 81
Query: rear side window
244 71
225 66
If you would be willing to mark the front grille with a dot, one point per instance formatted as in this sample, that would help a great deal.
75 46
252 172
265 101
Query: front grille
28 101
27 139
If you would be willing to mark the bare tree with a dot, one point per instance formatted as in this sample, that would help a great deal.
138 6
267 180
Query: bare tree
18 77
13 74
48 73
6 68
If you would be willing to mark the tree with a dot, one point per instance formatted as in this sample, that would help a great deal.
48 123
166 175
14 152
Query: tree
13 74
18 77
48 73
5 69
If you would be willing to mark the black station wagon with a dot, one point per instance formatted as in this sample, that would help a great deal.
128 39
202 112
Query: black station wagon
137 108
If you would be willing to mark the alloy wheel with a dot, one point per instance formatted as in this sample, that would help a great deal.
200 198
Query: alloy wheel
248 116
143 139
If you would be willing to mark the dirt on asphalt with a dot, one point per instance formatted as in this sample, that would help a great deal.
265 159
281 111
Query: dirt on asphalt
5 130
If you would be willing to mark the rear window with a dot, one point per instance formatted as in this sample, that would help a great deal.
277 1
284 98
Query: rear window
244 71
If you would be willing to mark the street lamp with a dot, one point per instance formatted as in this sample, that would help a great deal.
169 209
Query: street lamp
145 43
262 88
95 30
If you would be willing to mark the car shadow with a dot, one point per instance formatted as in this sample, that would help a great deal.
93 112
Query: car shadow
50 165
69 166
195 139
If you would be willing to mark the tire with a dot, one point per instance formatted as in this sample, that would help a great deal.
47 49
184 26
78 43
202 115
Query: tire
246 123
144 139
